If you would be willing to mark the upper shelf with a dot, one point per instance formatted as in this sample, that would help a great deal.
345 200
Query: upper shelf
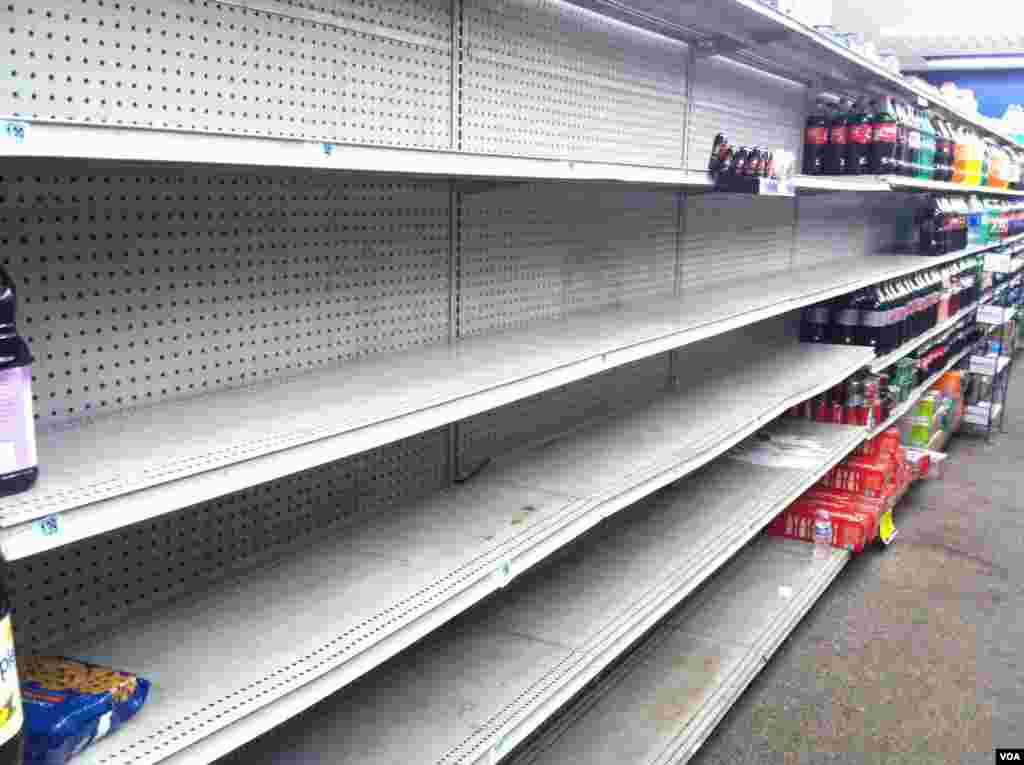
21 137
107 472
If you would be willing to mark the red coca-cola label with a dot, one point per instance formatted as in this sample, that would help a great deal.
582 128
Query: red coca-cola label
838 134
816 135
859 134
884 132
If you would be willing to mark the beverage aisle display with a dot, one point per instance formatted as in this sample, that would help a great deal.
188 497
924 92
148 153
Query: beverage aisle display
885 136
888 315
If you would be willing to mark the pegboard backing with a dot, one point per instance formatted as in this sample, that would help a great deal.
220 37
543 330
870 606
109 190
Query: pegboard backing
545 78
750 107
832 226
96 583
142 285
539 251
734 236
836 226
343 70
550 414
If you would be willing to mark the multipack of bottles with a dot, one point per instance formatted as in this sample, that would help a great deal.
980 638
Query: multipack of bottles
857 401
727 159
885 316
886 137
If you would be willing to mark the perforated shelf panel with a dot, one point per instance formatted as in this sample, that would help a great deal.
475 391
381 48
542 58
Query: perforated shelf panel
730 238
750 107
543 251
344 71
137 287
576 614
546 78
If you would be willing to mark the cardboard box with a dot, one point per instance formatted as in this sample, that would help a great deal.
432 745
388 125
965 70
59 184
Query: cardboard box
851 529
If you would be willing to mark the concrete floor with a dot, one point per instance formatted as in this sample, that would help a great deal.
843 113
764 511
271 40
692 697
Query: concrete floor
916 652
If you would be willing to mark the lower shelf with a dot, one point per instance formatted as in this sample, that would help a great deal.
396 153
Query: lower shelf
473 690
659 705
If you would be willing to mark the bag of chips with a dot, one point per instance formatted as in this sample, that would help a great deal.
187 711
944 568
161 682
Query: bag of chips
70 704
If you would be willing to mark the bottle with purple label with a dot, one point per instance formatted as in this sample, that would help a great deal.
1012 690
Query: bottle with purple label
18 466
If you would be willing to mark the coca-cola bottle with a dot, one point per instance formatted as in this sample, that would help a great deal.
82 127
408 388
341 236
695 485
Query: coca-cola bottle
858 137
814 323
914 144
835 155
872 319
718 152
846 321
815 141
884 139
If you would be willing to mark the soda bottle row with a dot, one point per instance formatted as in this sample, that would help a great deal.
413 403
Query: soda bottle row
857 401
729 160
887 315
887 137
942 226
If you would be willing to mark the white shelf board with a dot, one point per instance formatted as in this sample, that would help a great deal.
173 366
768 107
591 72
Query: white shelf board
321 619
130 144
695 665
876 183
916 394
892 357
840 183
898 182
103 473
443 701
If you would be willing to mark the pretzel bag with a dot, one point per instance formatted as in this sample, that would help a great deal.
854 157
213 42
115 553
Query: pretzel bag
70 704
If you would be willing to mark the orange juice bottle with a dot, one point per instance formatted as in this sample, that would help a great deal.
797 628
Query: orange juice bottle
960 151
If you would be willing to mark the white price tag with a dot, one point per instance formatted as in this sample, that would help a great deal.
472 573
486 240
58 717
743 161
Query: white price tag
785 592
997 261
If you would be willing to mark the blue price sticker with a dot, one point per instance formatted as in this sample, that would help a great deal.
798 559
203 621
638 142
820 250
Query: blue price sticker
14 131
328 149
48 526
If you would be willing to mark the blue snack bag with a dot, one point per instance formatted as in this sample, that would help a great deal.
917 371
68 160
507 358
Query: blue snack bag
70 704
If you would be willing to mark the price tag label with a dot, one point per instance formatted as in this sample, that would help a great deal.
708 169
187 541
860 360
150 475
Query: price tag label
12 130
886 528
327 149
50 526
997 261
505 572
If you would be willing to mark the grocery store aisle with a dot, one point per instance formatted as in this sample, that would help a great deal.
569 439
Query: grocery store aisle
916 653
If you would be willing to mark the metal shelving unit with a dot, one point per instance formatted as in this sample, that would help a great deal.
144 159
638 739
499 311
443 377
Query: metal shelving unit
409 571
106 472
363 346
555 630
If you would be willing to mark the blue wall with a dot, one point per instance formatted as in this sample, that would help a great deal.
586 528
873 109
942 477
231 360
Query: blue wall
995 90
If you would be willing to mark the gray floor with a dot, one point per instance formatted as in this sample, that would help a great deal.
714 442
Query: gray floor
916 653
